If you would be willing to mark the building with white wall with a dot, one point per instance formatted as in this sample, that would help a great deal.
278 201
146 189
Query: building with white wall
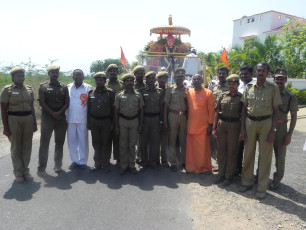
260 26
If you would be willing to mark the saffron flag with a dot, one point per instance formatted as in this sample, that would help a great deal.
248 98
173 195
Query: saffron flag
122 57
224 58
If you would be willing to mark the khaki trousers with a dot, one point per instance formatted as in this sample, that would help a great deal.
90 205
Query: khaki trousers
150 140
21 128
177 127
48 125
227 151
280 152
127 140
101 141
163 145
115 144
257 130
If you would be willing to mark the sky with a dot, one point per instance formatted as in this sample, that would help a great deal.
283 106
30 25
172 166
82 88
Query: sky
78 32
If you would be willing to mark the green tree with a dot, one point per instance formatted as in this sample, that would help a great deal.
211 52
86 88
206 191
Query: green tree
101 65
293 41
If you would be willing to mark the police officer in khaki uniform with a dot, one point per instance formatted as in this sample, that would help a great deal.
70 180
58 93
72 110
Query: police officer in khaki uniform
222 85
139 73
128 120
226 130
53 98
175 111
150 136
261 100
19 122
115 85
162 78
218 90
100 121
283 136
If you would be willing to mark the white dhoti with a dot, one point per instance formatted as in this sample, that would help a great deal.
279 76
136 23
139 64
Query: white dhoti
77 138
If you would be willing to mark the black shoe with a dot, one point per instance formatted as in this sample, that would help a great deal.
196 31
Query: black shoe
219 180
227 182
274 185
173 168
82 166
123 171
73 165
165 164
244 188
58 169
41 173
94 169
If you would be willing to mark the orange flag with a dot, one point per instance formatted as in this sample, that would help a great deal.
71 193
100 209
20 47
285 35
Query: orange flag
122 57
224 58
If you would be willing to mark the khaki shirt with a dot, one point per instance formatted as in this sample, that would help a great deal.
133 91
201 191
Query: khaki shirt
100 102
53 96
218 90
287 106
128 103
138 86
261 100
176 98
152 99
18 99
114 86
230 106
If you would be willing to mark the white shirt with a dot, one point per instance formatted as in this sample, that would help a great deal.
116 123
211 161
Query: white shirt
242 86
192 64
77 111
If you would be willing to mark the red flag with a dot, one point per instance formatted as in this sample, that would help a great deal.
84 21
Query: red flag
224 58
122 57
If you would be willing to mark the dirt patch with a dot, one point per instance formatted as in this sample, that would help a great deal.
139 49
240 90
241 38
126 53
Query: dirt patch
216 208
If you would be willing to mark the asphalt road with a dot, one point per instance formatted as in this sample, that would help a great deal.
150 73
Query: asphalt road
155 199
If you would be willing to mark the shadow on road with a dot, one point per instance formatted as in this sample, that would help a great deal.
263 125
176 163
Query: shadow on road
113 180
22 192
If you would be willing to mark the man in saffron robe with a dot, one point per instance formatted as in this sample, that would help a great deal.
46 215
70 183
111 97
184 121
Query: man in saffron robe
201 111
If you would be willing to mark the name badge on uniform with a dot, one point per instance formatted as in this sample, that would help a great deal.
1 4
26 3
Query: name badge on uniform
93 97
49 88
200 97
124 97
15 93
225 99
251 94
146 94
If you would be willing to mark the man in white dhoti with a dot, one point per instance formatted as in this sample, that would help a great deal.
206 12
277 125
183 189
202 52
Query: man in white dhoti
77 133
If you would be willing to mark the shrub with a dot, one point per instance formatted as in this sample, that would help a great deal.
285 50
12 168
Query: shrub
301 95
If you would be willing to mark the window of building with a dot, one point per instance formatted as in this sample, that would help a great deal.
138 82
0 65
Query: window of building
279 17
261 17
250 20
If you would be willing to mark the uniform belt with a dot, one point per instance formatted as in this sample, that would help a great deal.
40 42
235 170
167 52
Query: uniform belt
128 118
260 118
151 114
23 113
281 121
229 119
178 112
102 117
